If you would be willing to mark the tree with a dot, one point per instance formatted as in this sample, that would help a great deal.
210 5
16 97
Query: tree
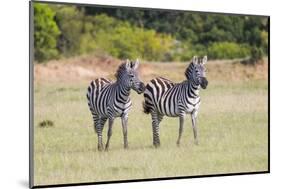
68 30
71 22
46 32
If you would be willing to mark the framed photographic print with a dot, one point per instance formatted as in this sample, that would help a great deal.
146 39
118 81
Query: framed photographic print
122 94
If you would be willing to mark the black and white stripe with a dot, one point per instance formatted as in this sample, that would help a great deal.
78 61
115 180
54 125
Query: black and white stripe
166 98
108 100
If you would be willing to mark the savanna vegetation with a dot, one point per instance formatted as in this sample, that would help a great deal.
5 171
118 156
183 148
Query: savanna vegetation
67 31
232 125
78 44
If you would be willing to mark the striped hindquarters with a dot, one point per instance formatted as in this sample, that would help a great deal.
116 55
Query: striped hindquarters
94 94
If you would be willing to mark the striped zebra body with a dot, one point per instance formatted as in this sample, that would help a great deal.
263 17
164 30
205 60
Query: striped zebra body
101 103
172 99
166 98
108 100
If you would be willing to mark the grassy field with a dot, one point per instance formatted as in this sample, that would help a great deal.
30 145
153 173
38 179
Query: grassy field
232 128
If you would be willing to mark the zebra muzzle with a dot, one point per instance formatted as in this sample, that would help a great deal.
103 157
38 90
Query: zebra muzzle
204 83
141 88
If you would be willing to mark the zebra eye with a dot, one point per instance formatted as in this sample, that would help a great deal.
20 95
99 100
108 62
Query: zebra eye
131 75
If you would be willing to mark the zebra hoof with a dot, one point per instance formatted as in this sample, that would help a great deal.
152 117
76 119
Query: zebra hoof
156 145
178 144
196 143
126 147
100 149
106 147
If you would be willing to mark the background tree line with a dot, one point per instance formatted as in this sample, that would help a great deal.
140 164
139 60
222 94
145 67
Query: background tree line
156 35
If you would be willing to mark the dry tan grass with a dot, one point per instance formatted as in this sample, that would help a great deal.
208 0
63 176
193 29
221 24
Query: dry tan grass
232 125
86 68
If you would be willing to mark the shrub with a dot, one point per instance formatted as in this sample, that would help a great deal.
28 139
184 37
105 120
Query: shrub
70 20
228 50
184 51
256 55
46 123
121 39
46 33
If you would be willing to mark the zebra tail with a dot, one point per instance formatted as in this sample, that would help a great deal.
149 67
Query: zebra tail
146 108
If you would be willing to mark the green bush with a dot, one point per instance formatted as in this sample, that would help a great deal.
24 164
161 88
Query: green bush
46 33
121 39
67 30
264 42
184 51
71 24
228 50
153 46
256 55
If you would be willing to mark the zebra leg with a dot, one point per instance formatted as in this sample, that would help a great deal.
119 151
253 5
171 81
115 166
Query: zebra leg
193 119
99 124
180 129
99 133
156 119
125 131
109 132
102 122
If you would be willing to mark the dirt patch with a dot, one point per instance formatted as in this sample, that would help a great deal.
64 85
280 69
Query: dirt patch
235 71
75 69
87 68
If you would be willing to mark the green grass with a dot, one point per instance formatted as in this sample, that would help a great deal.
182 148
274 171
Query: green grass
232 128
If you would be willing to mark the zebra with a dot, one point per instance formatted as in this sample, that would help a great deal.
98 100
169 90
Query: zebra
166 98
108 100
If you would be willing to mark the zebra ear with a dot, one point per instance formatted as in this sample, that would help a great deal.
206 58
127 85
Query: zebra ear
195 59
136 64
205 59
128 64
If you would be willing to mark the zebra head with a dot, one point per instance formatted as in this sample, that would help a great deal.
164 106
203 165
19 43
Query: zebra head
132 78
196 71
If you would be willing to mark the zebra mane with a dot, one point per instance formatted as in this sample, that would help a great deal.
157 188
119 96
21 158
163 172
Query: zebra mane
121 69
188 71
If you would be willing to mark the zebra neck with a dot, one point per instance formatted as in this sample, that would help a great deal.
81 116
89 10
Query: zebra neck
192 89
123 92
